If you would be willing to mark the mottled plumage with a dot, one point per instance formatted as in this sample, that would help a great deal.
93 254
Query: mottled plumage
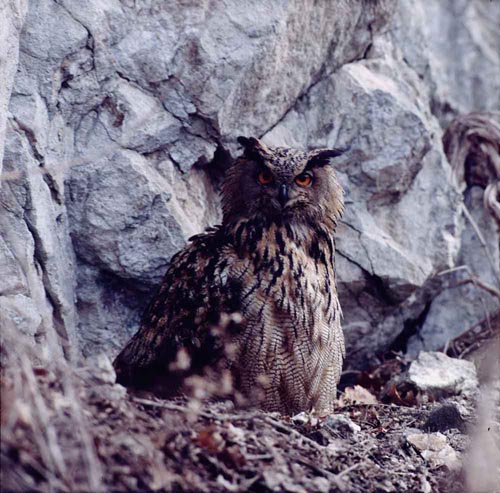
272 263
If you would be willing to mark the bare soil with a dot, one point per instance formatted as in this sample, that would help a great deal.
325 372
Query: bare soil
74 430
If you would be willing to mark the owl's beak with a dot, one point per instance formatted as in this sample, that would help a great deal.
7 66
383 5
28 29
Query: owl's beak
283 194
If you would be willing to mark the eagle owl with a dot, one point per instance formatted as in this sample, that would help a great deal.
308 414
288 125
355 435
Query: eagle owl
270 266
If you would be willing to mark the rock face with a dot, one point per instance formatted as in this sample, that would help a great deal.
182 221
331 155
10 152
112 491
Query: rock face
453 46
120 111
12 14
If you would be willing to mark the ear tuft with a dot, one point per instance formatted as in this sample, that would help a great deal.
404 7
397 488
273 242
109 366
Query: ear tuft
321 157
253 148
247 142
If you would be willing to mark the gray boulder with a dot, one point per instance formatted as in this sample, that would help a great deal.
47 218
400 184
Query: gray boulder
119 114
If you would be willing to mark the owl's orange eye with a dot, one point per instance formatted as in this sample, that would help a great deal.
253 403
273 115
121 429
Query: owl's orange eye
265 177
303 180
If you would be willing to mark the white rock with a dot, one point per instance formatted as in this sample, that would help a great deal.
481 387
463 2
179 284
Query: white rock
439 375
435 449
342 423
100 368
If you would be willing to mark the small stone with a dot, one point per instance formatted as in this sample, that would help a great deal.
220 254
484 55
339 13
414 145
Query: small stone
321 437
342 425
439 375
300 419
434 448
357 395
433 442
100 368
321 485
445 417
426 486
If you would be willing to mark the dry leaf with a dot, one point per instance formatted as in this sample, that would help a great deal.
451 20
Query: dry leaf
357 395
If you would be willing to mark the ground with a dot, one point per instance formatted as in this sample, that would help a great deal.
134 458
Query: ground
75 430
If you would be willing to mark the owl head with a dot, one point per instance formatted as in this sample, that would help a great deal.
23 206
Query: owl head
282 184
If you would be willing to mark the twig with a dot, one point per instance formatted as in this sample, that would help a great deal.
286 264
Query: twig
468 350
473 278
494 314
451 343
213 415
334 478
480 284
95 473
453 269
51 446
50 451
287 429
231 417
174 407
54 482
349 469
259 456
220 466
447 345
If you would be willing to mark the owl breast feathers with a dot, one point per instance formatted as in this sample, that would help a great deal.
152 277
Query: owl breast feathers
270 266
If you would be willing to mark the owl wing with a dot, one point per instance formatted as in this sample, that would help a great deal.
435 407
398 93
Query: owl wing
188 305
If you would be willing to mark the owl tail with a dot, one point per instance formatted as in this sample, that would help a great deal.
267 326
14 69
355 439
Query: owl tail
140 366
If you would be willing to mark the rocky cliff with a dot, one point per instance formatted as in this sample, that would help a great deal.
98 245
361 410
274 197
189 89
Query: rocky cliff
116 122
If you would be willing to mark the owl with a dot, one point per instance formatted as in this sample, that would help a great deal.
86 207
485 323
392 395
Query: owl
263 281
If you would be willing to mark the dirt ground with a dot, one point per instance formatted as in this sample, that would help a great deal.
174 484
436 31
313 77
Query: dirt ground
74 430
